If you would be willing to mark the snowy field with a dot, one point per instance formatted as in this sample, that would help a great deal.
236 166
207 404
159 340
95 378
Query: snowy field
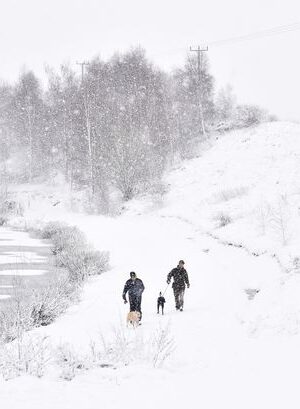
230 351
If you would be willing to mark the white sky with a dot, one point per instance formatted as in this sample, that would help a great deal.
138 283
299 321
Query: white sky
264 71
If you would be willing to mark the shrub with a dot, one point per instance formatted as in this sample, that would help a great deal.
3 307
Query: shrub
263 213
33 308
130 347
248 115
228 194
280 220
69 239
51 229
3 220
15 317
125 347
25 355
224 126
11 207
32 355
50 302
96 262
162 346
222 219
70 362
81 263
73 252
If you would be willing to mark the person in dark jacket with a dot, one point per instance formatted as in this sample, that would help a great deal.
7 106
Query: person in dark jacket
180 280
161 303
134 287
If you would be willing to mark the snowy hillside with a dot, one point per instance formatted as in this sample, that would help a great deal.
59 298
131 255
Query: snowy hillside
247 181
231 351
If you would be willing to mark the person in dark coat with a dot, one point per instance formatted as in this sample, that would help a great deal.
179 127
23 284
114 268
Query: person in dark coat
161 303
134 287
180 280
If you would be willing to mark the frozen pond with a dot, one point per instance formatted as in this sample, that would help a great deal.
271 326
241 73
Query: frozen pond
24 261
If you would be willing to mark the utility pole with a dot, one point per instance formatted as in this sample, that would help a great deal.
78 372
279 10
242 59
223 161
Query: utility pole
199 52
82 64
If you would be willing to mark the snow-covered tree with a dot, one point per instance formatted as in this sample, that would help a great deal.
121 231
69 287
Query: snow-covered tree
225 105
28 121
129 120
66 123
188 113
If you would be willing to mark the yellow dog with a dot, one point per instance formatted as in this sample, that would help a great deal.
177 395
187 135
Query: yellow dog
133 318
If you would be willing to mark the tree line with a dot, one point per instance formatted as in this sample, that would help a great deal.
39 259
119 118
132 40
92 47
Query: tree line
118 126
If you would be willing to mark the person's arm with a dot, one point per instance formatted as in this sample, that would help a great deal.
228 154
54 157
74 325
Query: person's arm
126 288
186 279
142 286
170 275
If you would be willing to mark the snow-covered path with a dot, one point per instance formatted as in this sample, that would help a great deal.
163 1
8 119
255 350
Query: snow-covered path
217 363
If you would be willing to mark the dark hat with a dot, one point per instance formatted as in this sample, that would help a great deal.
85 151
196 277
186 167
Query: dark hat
181 262
132 274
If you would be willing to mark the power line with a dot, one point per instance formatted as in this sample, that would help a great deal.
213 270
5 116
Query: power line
258 34
247 37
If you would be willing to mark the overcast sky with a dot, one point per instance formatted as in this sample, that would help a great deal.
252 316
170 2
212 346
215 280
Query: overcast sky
265 71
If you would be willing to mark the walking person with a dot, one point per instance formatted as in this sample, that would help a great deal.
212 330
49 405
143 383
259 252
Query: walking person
161 303
180 280
134 287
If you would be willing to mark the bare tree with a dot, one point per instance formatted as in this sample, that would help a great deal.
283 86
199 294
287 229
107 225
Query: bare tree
28 119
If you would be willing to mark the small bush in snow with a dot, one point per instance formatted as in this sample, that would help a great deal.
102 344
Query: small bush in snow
73 253
228 194
3 220
25 355
280 220
248 115
8 206
263 215
128 347
15 316
70 362
33 355
96 262
51 229
69 239
162 346
33 308
296 264
81 263
53 300
222 219
73 259
11 207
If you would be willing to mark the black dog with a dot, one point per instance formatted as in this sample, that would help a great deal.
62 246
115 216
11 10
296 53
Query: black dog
160 303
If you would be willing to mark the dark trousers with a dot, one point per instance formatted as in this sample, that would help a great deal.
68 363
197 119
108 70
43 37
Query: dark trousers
162 307
179 297
135 302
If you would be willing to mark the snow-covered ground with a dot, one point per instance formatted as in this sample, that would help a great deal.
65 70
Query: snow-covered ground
231 352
